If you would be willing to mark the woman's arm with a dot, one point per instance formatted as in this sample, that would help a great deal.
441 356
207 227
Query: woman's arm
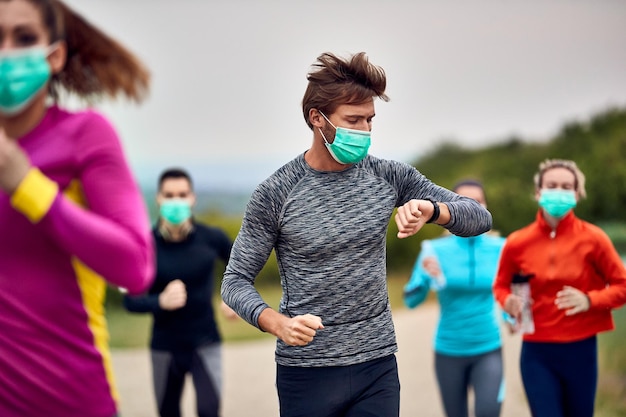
112 235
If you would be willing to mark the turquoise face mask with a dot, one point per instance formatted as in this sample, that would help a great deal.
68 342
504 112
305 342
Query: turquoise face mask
557 202
350 145
175 211
23 74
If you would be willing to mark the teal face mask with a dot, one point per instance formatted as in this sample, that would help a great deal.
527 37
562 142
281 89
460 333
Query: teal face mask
350 145
23 74
175 211
557 202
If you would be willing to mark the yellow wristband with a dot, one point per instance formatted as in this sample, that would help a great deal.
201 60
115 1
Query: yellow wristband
34 195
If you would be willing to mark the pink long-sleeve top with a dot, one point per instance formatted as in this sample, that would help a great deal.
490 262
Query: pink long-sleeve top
76 221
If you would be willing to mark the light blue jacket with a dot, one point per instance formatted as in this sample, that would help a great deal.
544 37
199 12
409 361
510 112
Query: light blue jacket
469 322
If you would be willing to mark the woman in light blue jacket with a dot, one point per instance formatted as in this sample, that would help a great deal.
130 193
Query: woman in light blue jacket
467 341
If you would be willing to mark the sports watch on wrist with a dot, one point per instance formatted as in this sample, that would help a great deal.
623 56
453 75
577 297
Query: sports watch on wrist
436 211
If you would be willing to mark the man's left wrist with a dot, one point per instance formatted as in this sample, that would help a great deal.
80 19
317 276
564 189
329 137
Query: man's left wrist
436 211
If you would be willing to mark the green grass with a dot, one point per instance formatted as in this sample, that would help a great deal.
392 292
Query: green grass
132 330
128 330
611 399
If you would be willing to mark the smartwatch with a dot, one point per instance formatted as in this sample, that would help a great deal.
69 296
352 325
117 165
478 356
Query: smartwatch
436 211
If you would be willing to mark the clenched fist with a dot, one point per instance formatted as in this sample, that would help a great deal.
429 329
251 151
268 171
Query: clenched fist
174 296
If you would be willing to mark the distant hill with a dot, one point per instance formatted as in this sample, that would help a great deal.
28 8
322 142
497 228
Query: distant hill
598 145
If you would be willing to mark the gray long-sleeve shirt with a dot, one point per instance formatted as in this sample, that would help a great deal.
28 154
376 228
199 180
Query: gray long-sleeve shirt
328 230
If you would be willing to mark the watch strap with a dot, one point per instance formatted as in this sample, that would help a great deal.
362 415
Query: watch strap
436 210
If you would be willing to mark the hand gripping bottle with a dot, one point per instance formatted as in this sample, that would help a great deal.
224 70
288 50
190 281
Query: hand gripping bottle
520 286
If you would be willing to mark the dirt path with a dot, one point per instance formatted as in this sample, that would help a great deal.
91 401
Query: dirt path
249 372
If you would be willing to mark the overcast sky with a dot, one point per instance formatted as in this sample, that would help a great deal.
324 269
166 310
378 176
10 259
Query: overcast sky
228 76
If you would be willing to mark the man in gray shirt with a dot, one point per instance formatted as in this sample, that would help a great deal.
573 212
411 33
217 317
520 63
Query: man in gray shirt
326 213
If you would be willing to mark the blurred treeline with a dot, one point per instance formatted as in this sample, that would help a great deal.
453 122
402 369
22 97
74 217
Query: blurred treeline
506 169
598 146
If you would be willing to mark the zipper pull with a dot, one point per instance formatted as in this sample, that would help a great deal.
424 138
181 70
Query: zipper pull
552 234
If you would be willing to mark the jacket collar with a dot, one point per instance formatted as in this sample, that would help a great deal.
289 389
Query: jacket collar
565 223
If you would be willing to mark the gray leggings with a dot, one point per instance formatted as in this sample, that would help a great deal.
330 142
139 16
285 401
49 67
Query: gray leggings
483 373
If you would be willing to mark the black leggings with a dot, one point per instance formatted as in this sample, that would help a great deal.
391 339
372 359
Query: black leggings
483 373
369 389
169 371
560 379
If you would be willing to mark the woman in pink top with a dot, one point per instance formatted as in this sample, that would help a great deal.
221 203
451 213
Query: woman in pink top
71 214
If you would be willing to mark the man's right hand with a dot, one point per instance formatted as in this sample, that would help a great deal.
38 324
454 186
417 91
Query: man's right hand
174 296
294 331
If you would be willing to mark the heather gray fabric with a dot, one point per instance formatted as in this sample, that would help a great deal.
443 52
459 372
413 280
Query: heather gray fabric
328 230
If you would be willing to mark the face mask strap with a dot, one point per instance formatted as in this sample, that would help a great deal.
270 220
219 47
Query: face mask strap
347 129
323 136
323 115
322 133
50 49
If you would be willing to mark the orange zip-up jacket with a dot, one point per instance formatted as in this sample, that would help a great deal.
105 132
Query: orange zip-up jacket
577 254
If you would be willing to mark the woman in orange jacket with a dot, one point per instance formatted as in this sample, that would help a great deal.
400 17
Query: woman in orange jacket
575 277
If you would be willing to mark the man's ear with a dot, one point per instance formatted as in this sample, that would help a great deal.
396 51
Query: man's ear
316 118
